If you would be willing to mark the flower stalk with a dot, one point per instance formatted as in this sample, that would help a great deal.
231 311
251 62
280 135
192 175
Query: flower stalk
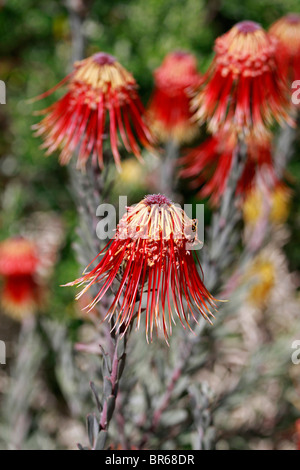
89 190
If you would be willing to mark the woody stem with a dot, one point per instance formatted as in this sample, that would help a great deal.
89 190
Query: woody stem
167 182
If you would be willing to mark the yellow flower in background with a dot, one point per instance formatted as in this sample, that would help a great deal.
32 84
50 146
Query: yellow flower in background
276 204
252 207
262 277
132 172
132 179
280 205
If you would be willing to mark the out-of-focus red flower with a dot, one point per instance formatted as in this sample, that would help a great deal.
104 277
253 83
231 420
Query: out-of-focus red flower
18 257
169 107
287 32
151 256
209 165
243 90
101 98
21 294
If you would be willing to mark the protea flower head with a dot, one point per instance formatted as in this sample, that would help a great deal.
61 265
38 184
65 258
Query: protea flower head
209 165
287 31
243 90
169 107
152 258
21 294
101 99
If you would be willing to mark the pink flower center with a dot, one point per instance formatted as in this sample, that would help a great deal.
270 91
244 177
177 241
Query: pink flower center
101 58
159 199
293 18
247 27
180 54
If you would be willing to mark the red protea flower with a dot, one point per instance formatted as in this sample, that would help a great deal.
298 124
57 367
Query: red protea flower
169 107
209 165
20 294
150 254
243 91
18 257
102 97
287 32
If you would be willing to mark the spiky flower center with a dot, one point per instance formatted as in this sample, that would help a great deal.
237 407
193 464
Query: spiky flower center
101 73
159 199
154 224
247 27
246 50
293 18
102 58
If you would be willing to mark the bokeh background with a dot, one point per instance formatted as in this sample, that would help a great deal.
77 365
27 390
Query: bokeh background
35 54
